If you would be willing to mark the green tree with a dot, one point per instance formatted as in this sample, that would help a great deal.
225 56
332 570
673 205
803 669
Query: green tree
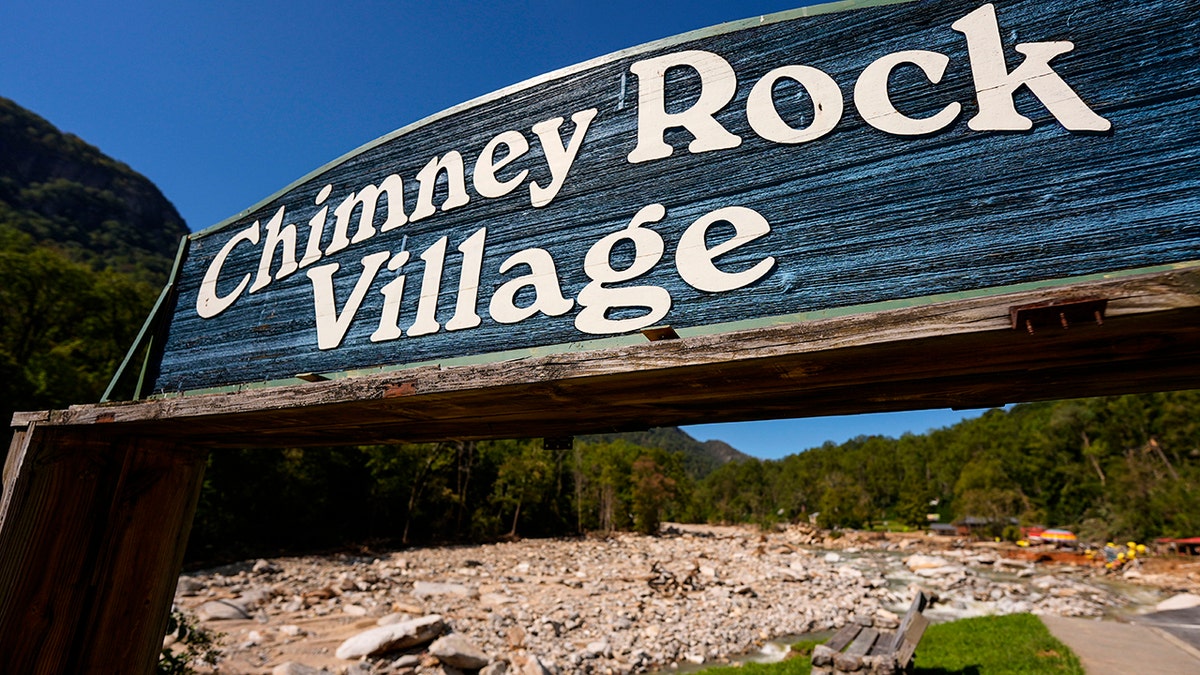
652 490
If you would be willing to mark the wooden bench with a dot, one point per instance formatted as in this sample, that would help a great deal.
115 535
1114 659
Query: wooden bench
860 647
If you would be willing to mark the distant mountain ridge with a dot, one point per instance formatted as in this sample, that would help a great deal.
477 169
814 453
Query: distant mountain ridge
60 192
86 244
700 458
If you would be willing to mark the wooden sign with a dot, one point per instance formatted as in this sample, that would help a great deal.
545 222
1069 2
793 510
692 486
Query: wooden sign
766 171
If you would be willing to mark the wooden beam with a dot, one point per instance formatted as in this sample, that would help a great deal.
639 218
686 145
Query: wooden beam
93 526
961 353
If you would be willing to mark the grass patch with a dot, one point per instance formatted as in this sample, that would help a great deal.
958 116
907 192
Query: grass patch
1018 643
988 645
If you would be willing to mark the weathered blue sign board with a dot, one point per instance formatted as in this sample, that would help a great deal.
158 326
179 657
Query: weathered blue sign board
824 158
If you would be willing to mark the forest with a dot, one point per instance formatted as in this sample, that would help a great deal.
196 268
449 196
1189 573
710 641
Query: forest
86 244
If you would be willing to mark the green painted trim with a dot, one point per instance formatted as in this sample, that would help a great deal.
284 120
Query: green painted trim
719 29
145 335
711 329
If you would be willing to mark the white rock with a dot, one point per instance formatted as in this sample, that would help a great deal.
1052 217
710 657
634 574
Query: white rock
832 557
921 562
354 610
1181 601
496 599
390 638
293 668
943 571
221 610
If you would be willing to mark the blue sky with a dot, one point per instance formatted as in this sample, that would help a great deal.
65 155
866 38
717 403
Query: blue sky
221 104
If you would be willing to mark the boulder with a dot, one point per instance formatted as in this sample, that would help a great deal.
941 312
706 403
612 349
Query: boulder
390 638
1181 601
457 651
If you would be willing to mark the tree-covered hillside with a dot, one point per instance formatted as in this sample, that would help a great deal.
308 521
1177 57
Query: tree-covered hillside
85 246
58 192
1111 468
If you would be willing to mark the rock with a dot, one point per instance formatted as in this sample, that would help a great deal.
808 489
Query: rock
291 630
599 648
188 586
221 610
832 557
497 599
394 617
1181 601
265 567
921 562
528 664
423 589
457 651
886 620
254 598
943 571
391 638
293 668
407 661
354 610
495 668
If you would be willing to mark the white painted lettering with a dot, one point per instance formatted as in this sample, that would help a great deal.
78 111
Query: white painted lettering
995 85
316 229
332 325
694 260
558 157
826 99
368 198
597 299
875 104
484 177
542 278
208 303
431 287
718 84
456 185
393 295
277 237
468 282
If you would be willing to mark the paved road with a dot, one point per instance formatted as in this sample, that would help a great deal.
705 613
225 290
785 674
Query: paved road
1182 623
1114 648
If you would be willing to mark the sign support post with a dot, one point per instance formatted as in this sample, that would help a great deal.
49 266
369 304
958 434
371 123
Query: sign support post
93 527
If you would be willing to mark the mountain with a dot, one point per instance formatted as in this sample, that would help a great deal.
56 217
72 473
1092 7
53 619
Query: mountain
86 244
700 459
58 192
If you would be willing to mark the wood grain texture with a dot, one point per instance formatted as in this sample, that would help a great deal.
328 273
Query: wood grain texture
92 535
858 216
962 353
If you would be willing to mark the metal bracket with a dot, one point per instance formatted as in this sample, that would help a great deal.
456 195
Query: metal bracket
656 333
1057 314
558 442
